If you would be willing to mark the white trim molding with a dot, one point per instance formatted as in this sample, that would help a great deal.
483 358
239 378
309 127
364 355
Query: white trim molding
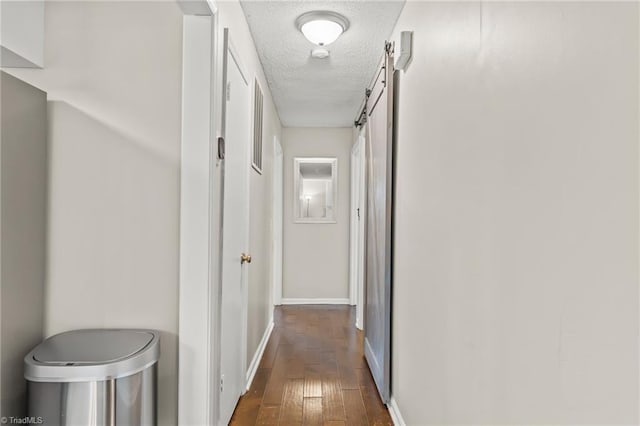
341 301
257 357
197 286
277 225
394 412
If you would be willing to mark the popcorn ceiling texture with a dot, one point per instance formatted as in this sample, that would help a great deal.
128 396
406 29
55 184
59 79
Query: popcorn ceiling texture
312 92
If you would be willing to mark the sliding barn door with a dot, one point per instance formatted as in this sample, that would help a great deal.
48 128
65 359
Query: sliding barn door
379 152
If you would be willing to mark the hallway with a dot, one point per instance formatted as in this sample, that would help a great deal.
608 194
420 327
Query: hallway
313 372
239 178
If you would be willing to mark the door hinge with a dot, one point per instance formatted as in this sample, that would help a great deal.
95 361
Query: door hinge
358 210
228 91
221 148
221 384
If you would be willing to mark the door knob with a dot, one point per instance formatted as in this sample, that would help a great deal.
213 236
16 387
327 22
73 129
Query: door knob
245 258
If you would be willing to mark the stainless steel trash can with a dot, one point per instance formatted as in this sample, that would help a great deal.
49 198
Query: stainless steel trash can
94 378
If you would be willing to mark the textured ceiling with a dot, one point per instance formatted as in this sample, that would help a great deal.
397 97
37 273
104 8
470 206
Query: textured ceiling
319 92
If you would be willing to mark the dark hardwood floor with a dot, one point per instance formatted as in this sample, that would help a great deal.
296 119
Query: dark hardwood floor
313 373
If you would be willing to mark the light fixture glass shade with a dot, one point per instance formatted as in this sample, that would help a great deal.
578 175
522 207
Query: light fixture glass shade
321 32
322 27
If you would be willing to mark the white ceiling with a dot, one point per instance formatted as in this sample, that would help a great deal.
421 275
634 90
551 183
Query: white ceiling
320 92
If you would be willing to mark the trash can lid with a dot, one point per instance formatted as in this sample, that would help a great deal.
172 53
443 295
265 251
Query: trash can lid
92 355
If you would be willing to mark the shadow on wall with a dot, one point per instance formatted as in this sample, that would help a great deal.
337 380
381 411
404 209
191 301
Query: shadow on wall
111 202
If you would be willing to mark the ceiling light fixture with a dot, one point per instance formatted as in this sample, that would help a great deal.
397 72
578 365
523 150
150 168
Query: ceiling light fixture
322 27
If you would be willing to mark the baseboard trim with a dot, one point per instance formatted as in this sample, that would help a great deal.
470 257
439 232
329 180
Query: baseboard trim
289 301
394 412
257 357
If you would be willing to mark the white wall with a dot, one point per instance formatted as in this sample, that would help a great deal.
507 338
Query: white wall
260 311
113 75
516 222
23 199
316 256
22 33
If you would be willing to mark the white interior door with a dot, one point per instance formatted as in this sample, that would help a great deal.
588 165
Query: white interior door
357 228
278 204
235 232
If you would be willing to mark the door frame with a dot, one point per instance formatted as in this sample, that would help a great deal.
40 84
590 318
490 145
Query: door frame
199 194
277 220
201 204
357 230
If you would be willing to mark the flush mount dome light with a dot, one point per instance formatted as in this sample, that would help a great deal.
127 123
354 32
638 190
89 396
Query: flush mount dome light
322 27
